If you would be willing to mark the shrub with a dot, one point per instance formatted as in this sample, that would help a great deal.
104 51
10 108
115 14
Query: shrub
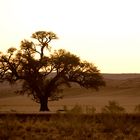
77 109
137 108
90 110
113 107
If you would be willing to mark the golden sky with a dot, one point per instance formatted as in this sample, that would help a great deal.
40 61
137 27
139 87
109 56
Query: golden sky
105 32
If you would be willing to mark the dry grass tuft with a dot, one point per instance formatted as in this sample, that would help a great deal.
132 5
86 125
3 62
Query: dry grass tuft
70 126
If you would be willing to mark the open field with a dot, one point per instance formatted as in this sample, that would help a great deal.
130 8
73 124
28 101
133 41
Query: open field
123 88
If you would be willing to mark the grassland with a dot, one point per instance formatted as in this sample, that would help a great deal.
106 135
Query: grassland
70 126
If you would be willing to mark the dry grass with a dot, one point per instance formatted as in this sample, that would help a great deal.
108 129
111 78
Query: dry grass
70 126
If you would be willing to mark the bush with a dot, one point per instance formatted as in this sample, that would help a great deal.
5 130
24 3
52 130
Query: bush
137 108
113 107
90 110
77 109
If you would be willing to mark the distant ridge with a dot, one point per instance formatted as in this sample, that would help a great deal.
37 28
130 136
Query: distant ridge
121 76
120 84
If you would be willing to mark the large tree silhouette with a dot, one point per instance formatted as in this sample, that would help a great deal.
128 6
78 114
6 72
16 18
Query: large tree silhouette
42 72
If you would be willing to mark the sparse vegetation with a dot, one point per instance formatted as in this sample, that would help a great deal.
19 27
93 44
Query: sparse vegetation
113 107
90 109
77 109
137 108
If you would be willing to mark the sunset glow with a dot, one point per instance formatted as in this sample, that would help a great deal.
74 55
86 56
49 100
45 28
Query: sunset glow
105 32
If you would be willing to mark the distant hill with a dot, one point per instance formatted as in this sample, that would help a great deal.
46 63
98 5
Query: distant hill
121 76
122 80
7 90
115 84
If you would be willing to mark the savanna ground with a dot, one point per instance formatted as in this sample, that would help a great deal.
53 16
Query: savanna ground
20 119
70 126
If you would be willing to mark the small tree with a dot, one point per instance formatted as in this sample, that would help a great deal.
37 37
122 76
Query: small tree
42 72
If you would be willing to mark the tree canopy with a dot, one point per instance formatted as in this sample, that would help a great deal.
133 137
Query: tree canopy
42 74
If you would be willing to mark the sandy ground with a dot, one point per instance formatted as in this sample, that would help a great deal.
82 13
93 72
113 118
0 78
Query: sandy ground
25 104
123 89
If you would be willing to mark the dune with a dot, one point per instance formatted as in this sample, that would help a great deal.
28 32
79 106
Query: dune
122 88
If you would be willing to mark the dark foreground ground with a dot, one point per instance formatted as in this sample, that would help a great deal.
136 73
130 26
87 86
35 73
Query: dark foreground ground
69 126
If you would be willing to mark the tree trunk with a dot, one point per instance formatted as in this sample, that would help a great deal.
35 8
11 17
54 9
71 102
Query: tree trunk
44 104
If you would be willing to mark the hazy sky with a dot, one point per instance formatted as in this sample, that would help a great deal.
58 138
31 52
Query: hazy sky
105 32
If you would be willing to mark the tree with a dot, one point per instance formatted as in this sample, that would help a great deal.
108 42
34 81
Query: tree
42 72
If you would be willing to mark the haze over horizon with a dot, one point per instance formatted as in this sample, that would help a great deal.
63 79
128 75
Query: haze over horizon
106 33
